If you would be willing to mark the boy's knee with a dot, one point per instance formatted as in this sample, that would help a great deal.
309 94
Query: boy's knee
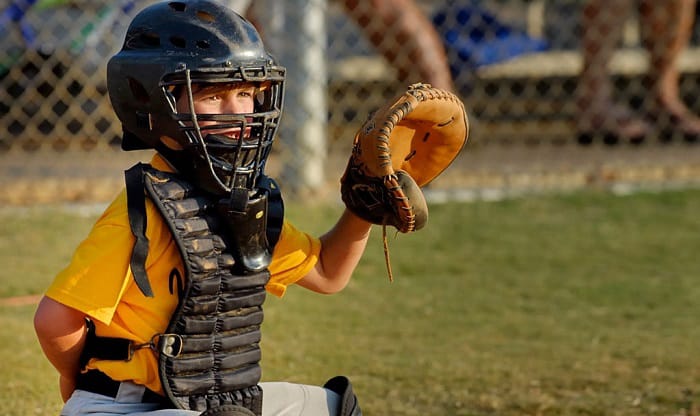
348 400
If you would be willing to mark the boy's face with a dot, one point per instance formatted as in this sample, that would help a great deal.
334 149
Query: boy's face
236 98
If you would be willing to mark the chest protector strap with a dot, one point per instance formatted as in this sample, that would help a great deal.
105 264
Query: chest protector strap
210 353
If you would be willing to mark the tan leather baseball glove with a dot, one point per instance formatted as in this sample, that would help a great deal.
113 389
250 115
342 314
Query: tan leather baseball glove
400 148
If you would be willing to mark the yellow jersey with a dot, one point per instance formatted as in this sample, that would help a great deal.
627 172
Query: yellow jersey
98 281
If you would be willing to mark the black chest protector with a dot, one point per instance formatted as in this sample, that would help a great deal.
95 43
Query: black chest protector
210 353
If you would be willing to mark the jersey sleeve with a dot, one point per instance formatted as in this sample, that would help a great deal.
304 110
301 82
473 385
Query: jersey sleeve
296 253
96 276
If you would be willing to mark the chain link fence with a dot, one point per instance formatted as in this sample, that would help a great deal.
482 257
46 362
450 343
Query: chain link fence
560 94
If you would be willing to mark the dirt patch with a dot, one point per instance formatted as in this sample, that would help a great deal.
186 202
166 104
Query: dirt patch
20 300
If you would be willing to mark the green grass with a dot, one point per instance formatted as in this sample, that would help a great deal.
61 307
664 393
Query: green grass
582 304
35 243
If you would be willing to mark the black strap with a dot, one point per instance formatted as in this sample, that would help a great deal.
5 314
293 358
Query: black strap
136 206
98 382
104 348
275 209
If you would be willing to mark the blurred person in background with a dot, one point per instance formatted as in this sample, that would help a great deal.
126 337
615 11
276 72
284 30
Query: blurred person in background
412 45
666 30
400 32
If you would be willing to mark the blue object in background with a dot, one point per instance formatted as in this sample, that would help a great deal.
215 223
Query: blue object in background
474 37
14 14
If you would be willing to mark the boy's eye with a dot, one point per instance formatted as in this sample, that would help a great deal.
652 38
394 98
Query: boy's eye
246 93
208 96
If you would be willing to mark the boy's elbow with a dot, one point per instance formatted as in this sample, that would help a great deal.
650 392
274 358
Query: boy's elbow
329 290
41 318
322 284
332 286
52 317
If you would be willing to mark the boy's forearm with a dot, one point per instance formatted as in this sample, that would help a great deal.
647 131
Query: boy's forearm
66 387
343 247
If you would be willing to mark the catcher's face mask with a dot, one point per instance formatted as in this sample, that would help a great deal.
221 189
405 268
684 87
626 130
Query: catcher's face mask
178 50
229 127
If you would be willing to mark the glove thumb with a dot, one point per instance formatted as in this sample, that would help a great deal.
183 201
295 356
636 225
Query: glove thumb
415 198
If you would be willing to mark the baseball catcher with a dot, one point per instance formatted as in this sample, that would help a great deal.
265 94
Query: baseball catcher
161 308
400 148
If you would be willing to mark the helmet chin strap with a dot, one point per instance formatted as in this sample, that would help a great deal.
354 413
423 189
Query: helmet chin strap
239 197
240 179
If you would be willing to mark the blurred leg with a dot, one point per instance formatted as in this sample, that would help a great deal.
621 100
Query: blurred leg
666 30
602 23
405 37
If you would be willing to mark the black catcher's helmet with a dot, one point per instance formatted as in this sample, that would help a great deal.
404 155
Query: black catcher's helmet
172 45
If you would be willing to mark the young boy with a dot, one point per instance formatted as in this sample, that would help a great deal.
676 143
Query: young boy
160 309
